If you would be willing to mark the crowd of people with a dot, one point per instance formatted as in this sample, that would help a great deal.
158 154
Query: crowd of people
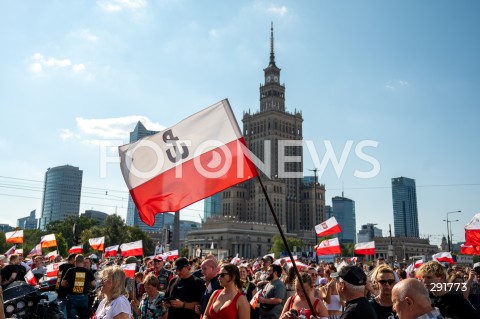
204 287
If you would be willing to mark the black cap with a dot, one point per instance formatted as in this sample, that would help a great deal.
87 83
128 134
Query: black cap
181 262
351 274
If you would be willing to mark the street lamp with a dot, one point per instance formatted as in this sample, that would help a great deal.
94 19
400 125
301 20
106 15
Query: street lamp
448 228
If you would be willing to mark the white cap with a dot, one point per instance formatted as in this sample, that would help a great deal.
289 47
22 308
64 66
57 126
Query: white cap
476 265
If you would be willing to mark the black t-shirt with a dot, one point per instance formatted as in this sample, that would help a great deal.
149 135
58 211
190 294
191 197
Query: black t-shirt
190 289
454 305
79 279
62 270
10 269
382 311
359 308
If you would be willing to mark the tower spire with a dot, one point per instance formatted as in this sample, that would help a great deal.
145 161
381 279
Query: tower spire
272 52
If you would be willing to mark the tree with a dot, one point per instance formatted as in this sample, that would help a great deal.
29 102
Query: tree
115 230
278 245
134 233
347 249
65 227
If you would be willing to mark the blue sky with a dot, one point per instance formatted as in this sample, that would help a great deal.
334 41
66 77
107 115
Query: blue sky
77 74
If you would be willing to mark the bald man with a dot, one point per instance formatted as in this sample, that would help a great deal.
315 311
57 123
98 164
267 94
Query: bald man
210 270
411 300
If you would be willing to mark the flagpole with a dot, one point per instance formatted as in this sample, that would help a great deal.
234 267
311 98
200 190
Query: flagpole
310 305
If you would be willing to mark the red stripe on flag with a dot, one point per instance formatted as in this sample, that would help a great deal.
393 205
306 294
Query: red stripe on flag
334 230
365 251
167 193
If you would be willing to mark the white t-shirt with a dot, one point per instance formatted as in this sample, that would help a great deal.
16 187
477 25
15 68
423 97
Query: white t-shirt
117 306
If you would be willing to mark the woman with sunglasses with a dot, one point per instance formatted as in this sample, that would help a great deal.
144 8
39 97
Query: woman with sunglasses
115 304
384 277
229 302
150 307
300 304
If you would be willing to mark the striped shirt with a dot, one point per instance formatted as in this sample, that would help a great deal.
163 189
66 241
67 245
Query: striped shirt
434 314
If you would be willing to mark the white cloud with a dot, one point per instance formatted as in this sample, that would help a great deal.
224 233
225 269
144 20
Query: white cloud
119 5
281 11
78 67
40 64
114 128
394 84
214 33
66 134
84 34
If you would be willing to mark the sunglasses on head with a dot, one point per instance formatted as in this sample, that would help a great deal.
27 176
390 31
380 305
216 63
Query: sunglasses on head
222 274
389 281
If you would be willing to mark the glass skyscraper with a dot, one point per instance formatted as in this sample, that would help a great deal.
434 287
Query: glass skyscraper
61 194
344 211
405 213
212 207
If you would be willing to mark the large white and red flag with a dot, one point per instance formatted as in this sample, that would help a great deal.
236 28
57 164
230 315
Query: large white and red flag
111 251
467 250
52 269
198 157
134 248
30 278
170 255
10 251
15 237
472 231
367 248
328 227
442 256
48 241
19 251
328 247
76 250
36 251
418 264
129 270
51 255
97 243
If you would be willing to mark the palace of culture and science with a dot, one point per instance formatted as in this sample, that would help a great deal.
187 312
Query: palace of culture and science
242 222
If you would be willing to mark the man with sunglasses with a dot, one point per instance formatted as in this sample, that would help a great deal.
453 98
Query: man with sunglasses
384 277
184 292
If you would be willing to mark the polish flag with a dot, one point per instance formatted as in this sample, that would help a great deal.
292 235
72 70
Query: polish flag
418 264
15 237
129 270
328 247
235 260
36 251
19 251
48 241
254 300
111 251
467 250
300 266
30 278
198 157
367 248
472 231
445 257
97 243
10 251
134 248
76 250
170 255
51 255
328 227
52 269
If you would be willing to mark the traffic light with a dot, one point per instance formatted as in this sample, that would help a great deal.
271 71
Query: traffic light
169 236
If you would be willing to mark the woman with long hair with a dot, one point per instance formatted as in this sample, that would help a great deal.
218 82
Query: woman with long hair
229 302
288 281
299 301
384 277
330 296
249 290
115 304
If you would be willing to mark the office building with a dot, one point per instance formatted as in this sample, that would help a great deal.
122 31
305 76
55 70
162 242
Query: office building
29 222
211 207
61 194
96 215
368 232
405 213
344 211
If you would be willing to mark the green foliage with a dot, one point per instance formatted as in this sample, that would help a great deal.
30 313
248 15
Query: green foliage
65 227
184 252
279 246
347 249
